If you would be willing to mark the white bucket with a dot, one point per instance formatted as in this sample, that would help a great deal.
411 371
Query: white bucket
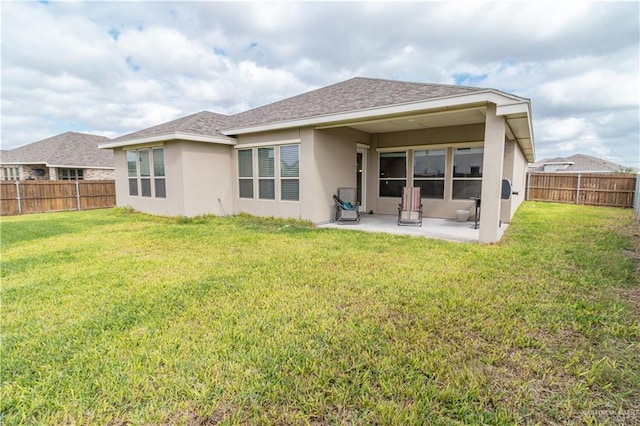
462 215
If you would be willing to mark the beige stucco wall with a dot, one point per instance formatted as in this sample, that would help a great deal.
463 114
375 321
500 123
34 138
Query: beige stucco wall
197 174
334 151
207 178
492 174
440 135
515 169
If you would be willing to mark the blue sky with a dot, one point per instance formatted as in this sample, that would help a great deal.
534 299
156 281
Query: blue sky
111 68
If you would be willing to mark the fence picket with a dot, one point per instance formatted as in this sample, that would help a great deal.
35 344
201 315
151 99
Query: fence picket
615 190
44 196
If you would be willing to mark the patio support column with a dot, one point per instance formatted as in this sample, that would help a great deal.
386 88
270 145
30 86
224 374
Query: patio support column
494 137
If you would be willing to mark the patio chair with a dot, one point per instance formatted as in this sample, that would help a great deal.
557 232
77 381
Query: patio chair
410 207
347 209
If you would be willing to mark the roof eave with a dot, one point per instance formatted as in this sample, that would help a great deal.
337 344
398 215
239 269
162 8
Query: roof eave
169 137
76 166
518 118
49 165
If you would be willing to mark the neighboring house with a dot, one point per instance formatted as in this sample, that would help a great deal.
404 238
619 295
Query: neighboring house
578 163
68 156
287 159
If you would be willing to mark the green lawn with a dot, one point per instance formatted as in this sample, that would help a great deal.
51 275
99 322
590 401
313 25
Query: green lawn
115 317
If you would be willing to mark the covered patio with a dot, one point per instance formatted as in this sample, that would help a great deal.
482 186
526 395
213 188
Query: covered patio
443 229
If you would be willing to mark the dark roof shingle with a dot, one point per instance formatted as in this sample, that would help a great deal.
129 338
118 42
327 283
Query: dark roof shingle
67 149
201 123
356 94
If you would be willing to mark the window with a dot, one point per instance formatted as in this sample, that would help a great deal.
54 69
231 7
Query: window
290 172
393 173
70 174
266 174
428 172
467 172
278 174
158 173
245 173
132 171
10 173
146 174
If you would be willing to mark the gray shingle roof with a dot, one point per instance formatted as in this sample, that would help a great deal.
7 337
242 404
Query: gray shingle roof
67 149
201 123
352 95
579 163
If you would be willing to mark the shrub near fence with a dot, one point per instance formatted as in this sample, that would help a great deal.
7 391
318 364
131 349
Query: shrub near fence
46 196
614 190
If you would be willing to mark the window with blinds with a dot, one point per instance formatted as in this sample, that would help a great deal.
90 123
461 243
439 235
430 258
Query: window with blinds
290 172
278 173
146 172
245 173
266 174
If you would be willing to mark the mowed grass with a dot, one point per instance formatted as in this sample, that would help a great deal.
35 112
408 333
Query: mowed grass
116 317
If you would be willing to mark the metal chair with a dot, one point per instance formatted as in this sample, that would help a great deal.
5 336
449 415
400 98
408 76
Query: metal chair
410 207
347 209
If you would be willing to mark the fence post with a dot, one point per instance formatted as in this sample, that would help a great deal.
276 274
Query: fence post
636 197
78 195
578 189
18 197
528 185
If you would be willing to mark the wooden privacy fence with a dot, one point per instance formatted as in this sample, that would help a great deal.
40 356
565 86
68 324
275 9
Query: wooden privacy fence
26 196
615 190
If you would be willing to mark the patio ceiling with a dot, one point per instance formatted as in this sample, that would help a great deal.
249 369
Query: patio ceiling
518 125
444 118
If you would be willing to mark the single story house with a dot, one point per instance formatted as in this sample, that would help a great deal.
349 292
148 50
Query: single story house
578 163
68 156
286 159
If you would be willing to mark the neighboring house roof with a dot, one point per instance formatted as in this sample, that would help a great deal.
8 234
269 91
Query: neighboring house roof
203 126
576 163
68 149
358 102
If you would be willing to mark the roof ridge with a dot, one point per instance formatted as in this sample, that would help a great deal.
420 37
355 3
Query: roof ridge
418 83
195 118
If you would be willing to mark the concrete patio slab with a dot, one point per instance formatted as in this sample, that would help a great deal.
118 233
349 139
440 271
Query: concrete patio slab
444 229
